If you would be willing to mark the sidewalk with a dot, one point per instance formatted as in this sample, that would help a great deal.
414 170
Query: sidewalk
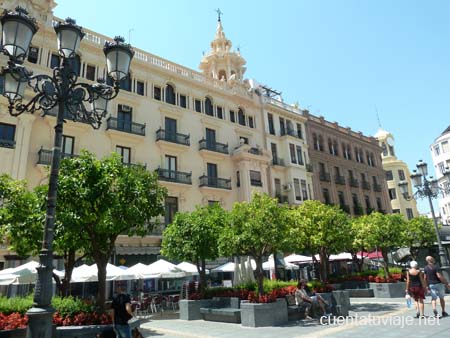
388 317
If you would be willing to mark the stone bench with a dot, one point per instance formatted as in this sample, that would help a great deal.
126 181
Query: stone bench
222 309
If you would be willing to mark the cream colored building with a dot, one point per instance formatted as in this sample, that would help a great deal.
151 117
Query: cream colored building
205 133
396 171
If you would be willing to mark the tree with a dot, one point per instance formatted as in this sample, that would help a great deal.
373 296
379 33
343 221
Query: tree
256 228
419 233
319 228
358 242
383 232
194 237
105 198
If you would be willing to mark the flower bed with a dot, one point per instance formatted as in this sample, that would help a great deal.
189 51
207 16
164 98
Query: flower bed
375 276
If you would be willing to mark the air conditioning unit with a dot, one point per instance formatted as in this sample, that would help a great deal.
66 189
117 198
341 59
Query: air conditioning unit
287 187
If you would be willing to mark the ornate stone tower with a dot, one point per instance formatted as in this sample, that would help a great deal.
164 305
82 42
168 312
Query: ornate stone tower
41 10
221 63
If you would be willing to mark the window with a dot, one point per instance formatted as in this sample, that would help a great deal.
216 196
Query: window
2 84
346 151
270 122
170 126
315 141
445 147
379 204
255 178
355 200
326 196
409 213
157 93
368 205
238 179
75 63
90 72
54 61
171 166
183 101
250 122
243 139
33 54
391 150
384 149
374 180
401 175
212 203
282 127
209 109
437 150
198 105
289 127
389 176
210 138
125 154
7 134
441 167
392 194
140 88
297 191
232 116
170 94
320 140
67 145
331 147
292 152
395 211
341 197
219 111
124 117
304 190
277 183
299 131
241 117
299 155
125 83
171 208
273 148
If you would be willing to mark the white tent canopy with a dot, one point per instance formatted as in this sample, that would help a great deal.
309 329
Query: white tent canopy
163 269
23 274
89 273
287 266
229 267
189 268
294 258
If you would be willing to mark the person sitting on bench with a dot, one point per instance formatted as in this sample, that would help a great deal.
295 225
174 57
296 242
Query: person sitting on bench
310 298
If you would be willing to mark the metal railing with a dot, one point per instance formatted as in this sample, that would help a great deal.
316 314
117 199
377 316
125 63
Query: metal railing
45 156
125 126
354 182
178 138
135 165
174 176
7 143
339 179
256 183
309 167
377 187
365 185
324 177
215 182
255 151
67 115
213 146
278 161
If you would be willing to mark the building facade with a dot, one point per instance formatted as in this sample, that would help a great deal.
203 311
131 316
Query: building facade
396 171
440 154
347 169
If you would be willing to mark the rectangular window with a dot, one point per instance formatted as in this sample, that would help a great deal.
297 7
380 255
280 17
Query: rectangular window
67 145
125 84
445 147
54 61
33 54
389 176
183 101
198 105
232 116
401 175
157 93
219 111
125 154
355 200
379 204
250 122
244 139
299 131
90 72
392 194
2 84
271 125
238 179
273 148
292 152
409 213
341 197
297 191
326 196
7 134
277 183
140 88
282 127
437 150
368 205
299 155
304 190
171 208
241 117
124 117
255 178
171 166
441 167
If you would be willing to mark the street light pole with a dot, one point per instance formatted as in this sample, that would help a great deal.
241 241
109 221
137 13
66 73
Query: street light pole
63 91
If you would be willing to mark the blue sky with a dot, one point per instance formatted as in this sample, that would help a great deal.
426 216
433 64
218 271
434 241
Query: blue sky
341 59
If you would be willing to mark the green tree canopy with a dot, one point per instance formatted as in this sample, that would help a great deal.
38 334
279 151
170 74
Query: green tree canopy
419 233
194 237
256 228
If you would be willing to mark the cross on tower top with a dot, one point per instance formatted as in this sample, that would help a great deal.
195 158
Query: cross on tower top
219 13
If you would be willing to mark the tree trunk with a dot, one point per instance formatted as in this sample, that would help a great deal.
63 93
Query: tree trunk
385 262
259 275
323 264
101 295
275 266
202 274
69 264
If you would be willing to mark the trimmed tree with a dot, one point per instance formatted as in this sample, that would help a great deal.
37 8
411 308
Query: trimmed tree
419 233
319 228
256 228
194 237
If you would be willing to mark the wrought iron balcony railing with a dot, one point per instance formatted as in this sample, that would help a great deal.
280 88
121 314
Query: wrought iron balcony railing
215 182
324 177
178 138
135 165
354 182
45 156
377 187
174 176
339 179
365 185
255 151
125 126
7 143
213 146
309 167
278 161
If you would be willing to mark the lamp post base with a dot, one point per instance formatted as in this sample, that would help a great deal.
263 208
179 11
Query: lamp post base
40 323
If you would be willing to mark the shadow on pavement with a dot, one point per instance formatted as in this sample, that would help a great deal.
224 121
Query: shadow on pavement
371 307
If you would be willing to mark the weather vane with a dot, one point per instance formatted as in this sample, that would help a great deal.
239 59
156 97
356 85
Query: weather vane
219 13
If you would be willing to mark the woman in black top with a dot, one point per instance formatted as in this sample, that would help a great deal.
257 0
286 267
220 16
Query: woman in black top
415 287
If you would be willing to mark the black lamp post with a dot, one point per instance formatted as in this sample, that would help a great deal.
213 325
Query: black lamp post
428 188
63 91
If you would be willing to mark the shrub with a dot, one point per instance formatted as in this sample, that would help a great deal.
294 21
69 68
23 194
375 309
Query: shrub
15 304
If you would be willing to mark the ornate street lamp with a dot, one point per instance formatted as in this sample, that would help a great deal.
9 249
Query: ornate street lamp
428 188
63 91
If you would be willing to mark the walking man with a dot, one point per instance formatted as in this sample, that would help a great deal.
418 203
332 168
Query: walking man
437 284
122 313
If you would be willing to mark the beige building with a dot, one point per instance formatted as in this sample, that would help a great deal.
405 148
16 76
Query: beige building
347 167
396 171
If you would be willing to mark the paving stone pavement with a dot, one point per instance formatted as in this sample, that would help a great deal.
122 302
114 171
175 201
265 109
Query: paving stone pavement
369 317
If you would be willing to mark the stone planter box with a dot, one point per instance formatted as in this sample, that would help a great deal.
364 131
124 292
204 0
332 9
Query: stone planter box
190 309
362 293
339 300
264 314
17 333
388 290
355 284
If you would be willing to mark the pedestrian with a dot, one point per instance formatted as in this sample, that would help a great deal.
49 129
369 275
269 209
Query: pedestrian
416 287
122 313
437 283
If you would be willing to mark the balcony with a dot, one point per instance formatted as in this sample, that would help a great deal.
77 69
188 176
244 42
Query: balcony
135 165
365 185
324 177
282 198
309 167
125 126
353 182
339 180
256 183
345 208
278 161
215 182
162 135
213 146
67 116
45 156
174 176
7 143
255 151
290 132
377 187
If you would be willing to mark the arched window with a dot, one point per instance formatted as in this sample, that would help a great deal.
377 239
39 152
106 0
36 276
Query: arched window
222 75
209 107
170 94
241 117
